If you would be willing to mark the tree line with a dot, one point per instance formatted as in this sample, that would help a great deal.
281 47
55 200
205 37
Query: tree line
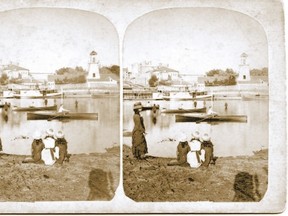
80 74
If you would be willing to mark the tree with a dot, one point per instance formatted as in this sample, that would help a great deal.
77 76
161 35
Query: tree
115 69
79 75
259 72
221 77
4 79
153 81
213 72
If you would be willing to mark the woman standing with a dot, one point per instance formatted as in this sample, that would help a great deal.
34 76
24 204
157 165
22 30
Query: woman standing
139 144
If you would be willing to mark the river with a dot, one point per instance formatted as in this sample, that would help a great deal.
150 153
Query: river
83 136
229 139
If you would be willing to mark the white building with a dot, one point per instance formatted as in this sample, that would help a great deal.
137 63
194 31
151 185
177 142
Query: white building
15 72
165 73
138 69
244 71
93 67
94 78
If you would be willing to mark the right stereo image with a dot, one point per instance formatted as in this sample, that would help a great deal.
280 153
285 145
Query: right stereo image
195 107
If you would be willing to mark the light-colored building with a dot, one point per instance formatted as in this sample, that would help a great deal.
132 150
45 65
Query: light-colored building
14 71
244 71
93 67
165 73
138 69
94 77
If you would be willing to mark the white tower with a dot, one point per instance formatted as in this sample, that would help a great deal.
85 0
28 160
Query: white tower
93 68
244 71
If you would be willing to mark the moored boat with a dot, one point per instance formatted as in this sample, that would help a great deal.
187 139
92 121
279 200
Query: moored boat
34 108
105 94
209 118
2 105
157 96
37 93
149 107
185 96
182 110
56 115
255 97
7 94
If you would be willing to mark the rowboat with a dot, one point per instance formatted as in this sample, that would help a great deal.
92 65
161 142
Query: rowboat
208 118
149 107
2 105
33 108
255 97
56 115
181 110
105 94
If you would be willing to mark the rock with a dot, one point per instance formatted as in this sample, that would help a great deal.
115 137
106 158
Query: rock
191 179
46 176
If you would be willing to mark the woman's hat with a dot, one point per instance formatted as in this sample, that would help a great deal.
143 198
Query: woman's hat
205 137
137 105
37 135
196 134
182 137
50 132
59 134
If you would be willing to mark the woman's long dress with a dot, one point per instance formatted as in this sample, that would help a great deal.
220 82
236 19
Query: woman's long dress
139 144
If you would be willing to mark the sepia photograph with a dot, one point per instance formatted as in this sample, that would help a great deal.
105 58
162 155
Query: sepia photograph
143 107
59 106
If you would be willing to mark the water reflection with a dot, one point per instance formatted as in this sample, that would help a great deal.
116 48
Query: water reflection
83 136
230 139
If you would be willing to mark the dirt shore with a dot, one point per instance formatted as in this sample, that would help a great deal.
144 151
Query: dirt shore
85 177
242 178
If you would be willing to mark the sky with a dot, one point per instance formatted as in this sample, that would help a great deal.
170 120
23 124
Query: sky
44 40
195 40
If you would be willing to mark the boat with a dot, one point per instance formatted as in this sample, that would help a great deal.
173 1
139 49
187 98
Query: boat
34 108
181 110
2 105
105 94
149 107
255 97
185 96
30 93
208 118
42 115
157 96
7 94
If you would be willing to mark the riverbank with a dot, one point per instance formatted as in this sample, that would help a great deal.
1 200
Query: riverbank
85 177
241 178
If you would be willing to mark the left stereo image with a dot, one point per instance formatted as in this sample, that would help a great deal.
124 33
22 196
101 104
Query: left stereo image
59 105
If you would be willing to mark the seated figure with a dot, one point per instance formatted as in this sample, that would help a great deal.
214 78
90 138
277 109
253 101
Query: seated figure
181 153
50 153
196 155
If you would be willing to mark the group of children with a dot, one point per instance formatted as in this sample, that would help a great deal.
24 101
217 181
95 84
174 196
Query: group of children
195 153
49 150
